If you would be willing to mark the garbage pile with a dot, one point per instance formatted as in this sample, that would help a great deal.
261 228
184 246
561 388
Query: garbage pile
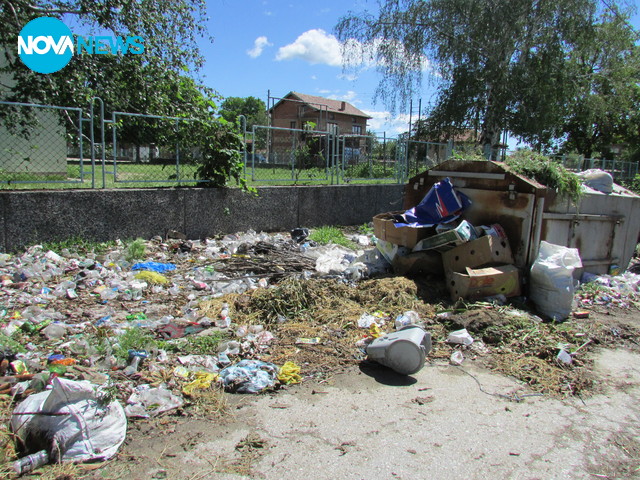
153 324
432 238
139 329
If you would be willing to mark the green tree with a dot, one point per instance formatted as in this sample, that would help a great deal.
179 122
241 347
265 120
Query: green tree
252 108
170 29
606 107
158 82
500 64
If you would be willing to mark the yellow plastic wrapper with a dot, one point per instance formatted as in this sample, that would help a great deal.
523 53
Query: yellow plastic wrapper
202 382
289 373
152 277
374 330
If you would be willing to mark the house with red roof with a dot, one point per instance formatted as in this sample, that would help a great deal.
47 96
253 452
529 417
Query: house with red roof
315 122
299 111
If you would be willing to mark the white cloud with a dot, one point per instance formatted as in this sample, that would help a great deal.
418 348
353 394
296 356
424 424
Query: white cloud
258 46
385 122
348 76
313 77
314 46
349 96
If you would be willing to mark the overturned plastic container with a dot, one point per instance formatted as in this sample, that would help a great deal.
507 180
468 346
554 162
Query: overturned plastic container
404 351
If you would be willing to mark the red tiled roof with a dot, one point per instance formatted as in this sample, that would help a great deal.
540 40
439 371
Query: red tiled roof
337 106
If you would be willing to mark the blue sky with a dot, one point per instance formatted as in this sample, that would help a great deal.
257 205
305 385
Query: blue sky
283 46
280 45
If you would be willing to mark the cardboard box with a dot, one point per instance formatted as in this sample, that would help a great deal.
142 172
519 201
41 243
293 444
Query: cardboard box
484 251
384 228
484 282
419 263
447 240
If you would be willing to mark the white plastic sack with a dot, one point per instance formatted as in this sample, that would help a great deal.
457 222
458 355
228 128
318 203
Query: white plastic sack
551 280
78 428
597 179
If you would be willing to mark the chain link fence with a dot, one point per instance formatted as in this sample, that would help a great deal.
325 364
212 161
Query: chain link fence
619 169
41 144
282 155
45 146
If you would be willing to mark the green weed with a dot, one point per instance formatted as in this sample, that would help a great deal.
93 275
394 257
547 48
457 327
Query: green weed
547 172
78 244
327 235
365 229
136 250
134 338
194 345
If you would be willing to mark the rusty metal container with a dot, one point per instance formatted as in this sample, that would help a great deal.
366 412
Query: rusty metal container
603 227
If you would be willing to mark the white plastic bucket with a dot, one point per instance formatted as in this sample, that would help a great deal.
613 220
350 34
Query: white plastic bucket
403 351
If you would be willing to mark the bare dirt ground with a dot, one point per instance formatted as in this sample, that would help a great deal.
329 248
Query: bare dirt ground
446 421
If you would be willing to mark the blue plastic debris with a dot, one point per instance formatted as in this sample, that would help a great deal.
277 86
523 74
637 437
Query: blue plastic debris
442 204
249 376
154 266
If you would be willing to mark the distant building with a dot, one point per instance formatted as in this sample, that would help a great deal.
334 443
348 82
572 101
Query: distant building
295 110
316 115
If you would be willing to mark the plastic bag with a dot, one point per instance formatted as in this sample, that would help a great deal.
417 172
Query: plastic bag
80 426
597 179
154 266
289 373
147 401
551 280
442 204
249 376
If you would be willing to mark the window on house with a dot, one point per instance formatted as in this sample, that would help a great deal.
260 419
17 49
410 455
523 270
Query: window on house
357 129
332 128
292 124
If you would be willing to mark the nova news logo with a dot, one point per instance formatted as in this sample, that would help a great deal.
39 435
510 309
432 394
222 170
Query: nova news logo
46 45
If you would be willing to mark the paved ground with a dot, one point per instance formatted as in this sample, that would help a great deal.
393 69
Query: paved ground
444 422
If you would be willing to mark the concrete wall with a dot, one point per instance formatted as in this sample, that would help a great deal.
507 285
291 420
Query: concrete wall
29 217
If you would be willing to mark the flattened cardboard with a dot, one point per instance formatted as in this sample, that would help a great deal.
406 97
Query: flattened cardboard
419 263
484 251
384 228
484 282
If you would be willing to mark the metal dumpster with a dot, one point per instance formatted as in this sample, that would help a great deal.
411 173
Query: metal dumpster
603 227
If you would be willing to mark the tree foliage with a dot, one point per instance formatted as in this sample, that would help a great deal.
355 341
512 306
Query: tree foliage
253 109
499 64
170 29
606 107
160 82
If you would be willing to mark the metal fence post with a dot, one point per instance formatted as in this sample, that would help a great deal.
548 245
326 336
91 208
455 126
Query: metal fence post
102 143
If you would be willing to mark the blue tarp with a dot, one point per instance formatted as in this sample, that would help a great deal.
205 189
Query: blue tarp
154 266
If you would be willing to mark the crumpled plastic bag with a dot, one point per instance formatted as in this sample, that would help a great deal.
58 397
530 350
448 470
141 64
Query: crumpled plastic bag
442 204
202 381
154 278
289 373
461 337
597 179
249 376
80 425
146 401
